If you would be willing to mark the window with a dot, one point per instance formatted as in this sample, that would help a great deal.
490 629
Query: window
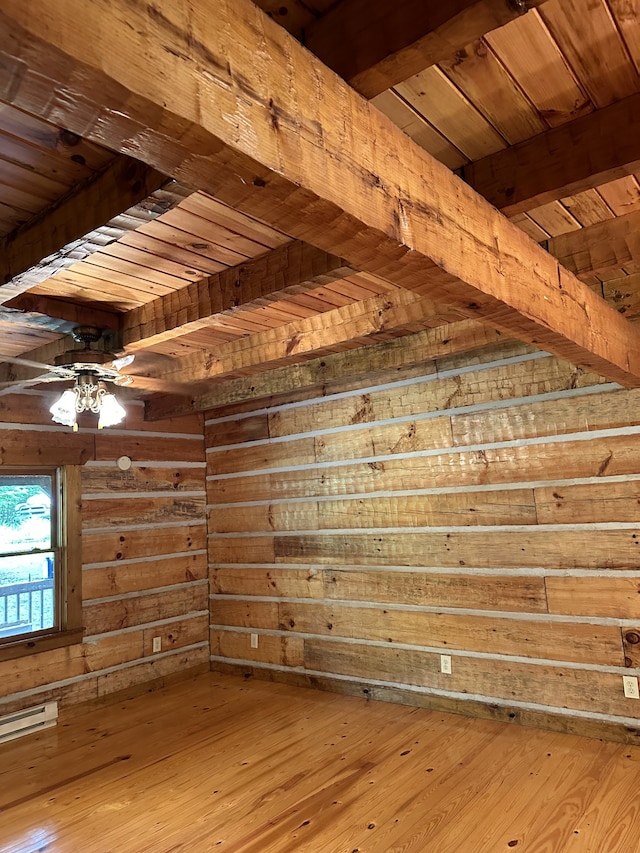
40 598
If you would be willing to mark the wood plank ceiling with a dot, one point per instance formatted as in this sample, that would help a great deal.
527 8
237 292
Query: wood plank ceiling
538 114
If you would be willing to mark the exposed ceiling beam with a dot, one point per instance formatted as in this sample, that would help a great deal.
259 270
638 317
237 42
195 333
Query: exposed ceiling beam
374 44
63 309
287 141
289 269
597 248
577 156
33 321
120 185
337 372
371 318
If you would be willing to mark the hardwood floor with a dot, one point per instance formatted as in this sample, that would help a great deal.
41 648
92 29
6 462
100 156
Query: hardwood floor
219 763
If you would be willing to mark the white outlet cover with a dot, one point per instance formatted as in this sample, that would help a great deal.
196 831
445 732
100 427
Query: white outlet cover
157 644
630 684
254 641
445 664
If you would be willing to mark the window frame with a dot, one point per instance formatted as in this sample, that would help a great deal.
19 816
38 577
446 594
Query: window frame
68 583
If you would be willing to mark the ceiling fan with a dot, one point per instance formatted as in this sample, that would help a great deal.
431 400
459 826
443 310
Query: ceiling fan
90 370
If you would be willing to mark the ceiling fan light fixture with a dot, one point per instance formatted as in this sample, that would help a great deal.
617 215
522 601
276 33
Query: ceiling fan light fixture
89 394
111 412
63 411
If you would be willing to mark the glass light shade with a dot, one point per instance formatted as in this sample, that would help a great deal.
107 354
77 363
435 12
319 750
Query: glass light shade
111 412
63 411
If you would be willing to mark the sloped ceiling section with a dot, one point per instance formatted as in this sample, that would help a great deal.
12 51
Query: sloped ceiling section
228 206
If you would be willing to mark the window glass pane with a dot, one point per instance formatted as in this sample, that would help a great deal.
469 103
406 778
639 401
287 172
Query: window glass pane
25 512
27 593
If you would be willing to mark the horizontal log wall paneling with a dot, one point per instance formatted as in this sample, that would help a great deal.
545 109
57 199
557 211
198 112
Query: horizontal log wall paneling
488 509
144 553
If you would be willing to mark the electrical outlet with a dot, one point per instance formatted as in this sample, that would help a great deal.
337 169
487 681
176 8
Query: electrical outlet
254 641
445 664
157 644
630 683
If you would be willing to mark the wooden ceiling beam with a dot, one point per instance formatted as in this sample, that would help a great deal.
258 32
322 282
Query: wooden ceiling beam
600 247
287 141
374 44
577 156
286 270
64 309
33 321
370 319
385 361
121 184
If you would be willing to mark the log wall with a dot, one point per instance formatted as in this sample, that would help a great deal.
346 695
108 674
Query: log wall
144 552
488 509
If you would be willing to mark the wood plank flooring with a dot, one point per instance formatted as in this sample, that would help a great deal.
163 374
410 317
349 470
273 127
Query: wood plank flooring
220 763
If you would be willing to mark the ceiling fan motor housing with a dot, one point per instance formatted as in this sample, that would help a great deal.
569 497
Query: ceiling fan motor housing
86 334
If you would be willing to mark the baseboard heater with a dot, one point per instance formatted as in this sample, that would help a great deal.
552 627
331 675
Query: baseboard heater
28 721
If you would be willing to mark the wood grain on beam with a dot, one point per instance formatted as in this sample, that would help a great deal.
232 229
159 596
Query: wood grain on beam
604 246
123 183
566 160
63 309
286 140
327 332
286 270
341 371
374 44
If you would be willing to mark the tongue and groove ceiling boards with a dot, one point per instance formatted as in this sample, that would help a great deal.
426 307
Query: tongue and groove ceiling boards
214 193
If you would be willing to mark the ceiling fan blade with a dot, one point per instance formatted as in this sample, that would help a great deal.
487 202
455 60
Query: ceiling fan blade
27 362
15 386
11 386
37 365
124 361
